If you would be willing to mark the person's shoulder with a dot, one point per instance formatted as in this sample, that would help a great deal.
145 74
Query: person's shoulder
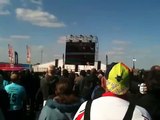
22 87
18 85
141 112
43 80
5 82
7 86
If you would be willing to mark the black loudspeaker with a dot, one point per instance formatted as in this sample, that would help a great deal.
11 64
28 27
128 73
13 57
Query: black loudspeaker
80 53
99 65
76 68
56 62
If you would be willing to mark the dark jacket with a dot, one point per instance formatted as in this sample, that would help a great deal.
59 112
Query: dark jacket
4 102
47 86
56 111
151 102
88 84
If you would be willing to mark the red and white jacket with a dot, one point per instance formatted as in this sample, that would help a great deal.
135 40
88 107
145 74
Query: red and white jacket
111 107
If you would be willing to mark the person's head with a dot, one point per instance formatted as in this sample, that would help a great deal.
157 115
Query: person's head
155 67
14 77
88 72
83 73
117 76
51 69
100 76
63 87
65 73
152 79
64 92
93 71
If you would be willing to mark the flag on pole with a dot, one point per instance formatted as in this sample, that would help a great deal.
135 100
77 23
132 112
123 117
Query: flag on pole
10 54
28 54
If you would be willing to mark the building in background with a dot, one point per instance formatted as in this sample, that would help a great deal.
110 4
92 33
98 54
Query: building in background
43 67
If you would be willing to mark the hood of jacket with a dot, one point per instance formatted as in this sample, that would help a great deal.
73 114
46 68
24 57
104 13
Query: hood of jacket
53 104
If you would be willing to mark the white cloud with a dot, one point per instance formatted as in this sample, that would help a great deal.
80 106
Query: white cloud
4 12
2 39
40 47
14 37
3 4
62 40
39 2
37 47
20 37
39 18
120 42
118 48
57 55
115 53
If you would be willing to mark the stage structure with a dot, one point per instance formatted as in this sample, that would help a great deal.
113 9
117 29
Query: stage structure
81 50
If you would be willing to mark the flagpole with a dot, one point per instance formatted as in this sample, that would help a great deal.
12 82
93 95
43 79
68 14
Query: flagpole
28 56
41 56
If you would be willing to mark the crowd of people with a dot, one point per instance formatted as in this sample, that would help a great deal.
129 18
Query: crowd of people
115 94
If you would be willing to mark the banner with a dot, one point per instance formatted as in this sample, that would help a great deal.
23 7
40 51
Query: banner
28 54
10 54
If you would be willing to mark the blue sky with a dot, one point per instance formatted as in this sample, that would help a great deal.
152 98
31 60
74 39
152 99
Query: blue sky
126 29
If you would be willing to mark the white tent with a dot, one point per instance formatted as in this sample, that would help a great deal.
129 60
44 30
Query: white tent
43 67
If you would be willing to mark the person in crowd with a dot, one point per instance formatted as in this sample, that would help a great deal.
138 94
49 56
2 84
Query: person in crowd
137 80
65 73
63 106
17 96
3 82
88 84
78 82
47 84
100 87
31 82
69 76
100 74
113 105
97 91
151 99
1 115
88 72
4 102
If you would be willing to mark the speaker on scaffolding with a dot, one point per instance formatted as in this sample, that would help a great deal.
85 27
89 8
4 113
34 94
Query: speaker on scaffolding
56 62
98 65
80 53
76 68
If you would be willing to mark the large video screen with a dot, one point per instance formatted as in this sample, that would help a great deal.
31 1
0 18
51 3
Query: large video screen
80 53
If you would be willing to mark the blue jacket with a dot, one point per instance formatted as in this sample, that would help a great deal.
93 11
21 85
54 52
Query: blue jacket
56 111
